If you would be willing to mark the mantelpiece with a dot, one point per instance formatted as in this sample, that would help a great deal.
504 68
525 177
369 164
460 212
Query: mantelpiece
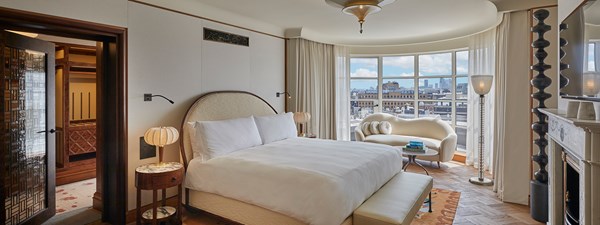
579 141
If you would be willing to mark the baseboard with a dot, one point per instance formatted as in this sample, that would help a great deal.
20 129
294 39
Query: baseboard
132 214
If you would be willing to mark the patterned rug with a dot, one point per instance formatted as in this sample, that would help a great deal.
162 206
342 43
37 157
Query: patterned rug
74 196
445 203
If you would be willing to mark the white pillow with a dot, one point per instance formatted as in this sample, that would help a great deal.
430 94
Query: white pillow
374 127
276 127
366 128
385 127
217 138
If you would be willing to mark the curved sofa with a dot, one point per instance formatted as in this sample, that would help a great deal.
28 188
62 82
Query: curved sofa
435 133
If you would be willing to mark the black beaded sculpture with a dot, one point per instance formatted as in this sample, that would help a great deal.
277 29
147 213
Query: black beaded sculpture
539 186
564 81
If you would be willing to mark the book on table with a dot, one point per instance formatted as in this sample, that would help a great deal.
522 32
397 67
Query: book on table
411 149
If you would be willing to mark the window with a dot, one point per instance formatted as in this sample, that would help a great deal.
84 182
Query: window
388 84
591 64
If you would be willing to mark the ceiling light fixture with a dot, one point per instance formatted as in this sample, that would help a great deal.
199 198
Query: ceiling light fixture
359 8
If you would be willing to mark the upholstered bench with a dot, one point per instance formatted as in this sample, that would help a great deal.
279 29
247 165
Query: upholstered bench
397 202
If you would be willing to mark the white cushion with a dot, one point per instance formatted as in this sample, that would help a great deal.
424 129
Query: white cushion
385 127
276 127
366 128
217 138
374 128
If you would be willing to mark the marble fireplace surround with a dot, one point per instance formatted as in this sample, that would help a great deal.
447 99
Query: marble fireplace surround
580 141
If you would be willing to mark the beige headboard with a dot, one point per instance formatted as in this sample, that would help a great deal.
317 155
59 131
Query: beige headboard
221 105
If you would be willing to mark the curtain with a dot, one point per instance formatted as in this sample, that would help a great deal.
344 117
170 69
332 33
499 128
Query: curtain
597 55
512 123
311 83
342 90
500 101
481 62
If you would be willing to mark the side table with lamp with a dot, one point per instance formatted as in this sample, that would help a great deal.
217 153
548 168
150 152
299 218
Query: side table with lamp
301 118
161 175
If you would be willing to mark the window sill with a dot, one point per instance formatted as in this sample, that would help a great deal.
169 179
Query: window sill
460 157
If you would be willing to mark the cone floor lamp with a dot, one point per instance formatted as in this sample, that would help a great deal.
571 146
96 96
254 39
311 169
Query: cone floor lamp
482 85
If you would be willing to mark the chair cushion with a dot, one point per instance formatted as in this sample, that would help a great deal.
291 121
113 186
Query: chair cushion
401 140
385 127
374 127
366 128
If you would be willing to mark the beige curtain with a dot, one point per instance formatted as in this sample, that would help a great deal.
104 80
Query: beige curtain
311 83
511 120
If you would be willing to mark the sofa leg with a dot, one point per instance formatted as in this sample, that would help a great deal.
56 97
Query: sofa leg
439 166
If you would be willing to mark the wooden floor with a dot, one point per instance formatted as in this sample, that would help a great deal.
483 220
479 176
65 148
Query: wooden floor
478 205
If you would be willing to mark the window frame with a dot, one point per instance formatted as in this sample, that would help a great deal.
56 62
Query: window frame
378 103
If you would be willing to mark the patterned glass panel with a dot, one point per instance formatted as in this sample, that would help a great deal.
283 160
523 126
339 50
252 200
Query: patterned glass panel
23 106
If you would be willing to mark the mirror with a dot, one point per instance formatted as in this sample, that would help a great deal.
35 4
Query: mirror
582 52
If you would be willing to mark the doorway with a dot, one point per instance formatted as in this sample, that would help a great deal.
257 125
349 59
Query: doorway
111 118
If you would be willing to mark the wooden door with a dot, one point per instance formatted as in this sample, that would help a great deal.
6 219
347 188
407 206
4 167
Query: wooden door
27 140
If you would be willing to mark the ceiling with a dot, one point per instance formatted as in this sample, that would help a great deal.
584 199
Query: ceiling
401 22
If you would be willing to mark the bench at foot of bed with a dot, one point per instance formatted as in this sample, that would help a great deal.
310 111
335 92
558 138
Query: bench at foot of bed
397 202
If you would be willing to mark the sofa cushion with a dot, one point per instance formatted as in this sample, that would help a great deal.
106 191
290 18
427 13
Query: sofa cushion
366 128
385 127
374 127
401 140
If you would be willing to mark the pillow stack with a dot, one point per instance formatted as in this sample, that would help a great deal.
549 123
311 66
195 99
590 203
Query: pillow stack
376 127
211 139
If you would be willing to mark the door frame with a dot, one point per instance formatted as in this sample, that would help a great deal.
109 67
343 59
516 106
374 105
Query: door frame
111 192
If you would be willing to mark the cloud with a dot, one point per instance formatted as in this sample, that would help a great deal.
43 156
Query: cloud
404 62
371 62
438 64
364 73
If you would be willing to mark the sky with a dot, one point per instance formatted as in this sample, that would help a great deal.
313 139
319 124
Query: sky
591 57
404 66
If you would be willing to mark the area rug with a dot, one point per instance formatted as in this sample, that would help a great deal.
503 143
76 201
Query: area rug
74 196
445 203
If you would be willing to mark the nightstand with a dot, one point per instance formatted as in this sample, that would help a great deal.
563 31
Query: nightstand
154 177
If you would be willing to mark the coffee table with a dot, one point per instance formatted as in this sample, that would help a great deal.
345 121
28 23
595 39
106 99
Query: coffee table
412 156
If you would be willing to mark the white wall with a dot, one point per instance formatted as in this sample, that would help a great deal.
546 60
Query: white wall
111 12
445 45
167 55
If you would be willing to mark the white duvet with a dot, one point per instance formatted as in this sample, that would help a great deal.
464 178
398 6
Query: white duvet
319 182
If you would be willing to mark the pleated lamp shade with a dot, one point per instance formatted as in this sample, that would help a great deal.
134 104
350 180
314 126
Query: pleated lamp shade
161 136
482 83
301 117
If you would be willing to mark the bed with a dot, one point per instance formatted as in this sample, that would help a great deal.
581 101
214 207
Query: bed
210 188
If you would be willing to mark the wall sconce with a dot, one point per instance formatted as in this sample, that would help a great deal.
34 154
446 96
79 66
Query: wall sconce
148 98
278 94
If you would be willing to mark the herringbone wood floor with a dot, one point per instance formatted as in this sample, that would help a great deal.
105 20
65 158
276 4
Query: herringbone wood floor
478 205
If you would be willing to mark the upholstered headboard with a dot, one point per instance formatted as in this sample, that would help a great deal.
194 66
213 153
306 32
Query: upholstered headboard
220 105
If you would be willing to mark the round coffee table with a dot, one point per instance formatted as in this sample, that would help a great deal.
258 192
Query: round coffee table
412 156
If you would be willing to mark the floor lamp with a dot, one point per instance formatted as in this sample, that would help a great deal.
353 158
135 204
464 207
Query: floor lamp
482 85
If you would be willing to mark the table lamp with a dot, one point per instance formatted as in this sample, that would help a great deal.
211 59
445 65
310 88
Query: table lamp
161 136
591 83
301 118
482 85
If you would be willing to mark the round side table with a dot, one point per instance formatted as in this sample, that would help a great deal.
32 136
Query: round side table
153 177
412 156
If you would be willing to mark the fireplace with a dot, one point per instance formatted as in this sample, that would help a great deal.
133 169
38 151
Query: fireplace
573 170
571 190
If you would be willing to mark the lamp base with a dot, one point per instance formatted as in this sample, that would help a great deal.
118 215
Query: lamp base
482 182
